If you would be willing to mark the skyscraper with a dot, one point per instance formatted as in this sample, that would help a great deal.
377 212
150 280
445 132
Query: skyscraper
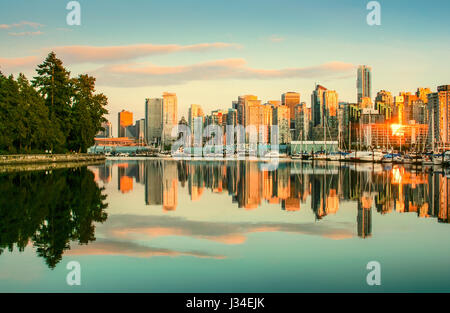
364 82
194 111
125 120
291 99
439 116
170 115
317 105
153 120
281 118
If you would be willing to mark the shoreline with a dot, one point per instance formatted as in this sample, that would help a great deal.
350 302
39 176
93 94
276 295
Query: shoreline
39 159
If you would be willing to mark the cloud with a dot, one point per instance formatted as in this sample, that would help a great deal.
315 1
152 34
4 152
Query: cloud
115 247
21 24
14 64
276 38
131 227
80 54
138 75
26 34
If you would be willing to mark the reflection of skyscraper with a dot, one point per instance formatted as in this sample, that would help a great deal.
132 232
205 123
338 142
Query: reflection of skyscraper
104 172
153 183
170 186
364 218
125 182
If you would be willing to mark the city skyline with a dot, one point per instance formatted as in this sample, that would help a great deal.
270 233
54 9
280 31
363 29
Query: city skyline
210 67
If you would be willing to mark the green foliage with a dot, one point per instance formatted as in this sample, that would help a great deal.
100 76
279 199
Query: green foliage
55 112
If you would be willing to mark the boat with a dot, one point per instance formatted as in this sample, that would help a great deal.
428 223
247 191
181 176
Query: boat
371 156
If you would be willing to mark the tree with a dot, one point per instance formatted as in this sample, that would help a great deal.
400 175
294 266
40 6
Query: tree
88 112
54 85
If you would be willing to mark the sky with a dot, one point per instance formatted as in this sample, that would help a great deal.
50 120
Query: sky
210 52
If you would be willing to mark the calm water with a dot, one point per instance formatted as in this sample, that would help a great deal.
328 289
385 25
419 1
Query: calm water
178 226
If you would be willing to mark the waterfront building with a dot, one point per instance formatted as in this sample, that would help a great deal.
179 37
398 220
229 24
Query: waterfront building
153 120
364 82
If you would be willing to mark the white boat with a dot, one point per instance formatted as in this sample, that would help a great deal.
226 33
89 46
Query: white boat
272 154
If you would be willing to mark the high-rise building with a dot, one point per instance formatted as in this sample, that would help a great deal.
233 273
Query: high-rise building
364 82
281 118
125 120
317 105
153 120
139 132
291 99
439 116
170 115
194 111
242 106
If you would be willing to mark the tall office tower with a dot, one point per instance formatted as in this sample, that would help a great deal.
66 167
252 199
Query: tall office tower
330 103
330 109
281 118
317 105
153 120
291 99
170 115
439 116
399 106
364 82
194 111
125 120
242 106
299 122
140 130
232 117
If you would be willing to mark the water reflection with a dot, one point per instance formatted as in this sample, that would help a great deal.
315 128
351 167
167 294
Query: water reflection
291 187
49 210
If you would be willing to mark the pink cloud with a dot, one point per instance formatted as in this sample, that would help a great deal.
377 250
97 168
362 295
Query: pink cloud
78 54
20 24
275 38
26 34
13 64
136 75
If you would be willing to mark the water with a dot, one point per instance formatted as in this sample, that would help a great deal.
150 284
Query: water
202 226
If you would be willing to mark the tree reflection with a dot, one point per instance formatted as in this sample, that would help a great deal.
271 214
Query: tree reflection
49 210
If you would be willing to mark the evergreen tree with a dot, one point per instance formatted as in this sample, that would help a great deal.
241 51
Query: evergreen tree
54 85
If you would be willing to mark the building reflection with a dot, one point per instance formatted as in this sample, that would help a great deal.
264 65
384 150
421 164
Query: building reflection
291 187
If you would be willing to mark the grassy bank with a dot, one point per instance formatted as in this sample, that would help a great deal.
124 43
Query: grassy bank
19 159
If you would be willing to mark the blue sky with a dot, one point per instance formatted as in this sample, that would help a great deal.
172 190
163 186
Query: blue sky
271 47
